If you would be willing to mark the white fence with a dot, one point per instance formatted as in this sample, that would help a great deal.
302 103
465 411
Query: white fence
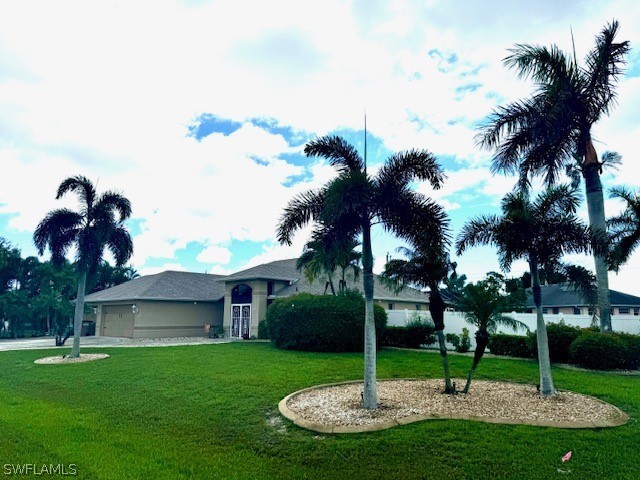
454 322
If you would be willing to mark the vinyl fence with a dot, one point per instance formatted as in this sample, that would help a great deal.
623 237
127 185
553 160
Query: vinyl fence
454 322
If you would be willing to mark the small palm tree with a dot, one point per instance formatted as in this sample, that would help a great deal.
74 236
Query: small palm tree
551 131
484 304
98 225
427 267
318 261
625 227
540 232
354 200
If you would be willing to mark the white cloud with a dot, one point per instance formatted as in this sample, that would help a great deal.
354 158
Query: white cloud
214 254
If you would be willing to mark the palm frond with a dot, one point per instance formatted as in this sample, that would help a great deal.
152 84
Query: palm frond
55 224
477 231
82 186
120 245
403 167
541 64
113 201
302 209
338 151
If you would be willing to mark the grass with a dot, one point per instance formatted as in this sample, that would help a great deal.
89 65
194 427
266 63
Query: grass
210 411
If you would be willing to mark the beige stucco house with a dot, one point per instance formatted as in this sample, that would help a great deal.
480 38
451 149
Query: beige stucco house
171 304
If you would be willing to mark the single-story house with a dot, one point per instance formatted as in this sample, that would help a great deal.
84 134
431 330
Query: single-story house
561 298
171 304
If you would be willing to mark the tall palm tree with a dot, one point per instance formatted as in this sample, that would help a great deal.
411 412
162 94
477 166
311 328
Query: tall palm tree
539 231
550 131
484 304
99 224
426 267
354 200
625 227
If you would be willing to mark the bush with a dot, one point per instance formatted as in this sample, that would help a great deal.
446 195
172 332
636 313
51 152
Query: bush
263 330
510 345
321 323
598 351
414 334
560 337
462 343
632 358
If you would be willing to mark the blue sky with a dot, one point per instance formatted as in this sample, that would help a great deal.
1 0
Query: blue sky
198 111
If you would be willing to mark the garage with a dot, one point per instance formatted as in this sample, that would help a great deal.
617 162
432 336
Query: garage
118 321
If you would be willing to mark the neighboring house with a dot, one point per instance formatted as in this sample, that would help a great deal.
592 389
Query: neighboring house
563 299
173 304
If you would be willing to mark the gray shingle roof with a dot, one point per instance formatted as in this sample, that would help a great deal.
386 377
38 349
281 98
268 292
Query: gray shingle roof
278 270
561 295
169 285
317 287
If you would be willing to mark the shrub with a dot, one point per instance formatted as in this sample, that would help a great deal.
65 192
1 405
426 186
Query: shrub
462 343
510 345
598 351
321 323
560 337
632 358
263 330
412 335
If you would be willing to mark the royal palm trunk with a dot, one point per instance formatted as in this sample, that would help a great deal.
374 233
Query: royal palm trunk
79 315
546 381
370 394
597 221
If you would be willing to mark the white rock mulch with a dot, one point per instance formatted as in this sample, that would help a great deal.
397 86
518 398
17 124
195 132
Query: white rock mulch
340 405
62 359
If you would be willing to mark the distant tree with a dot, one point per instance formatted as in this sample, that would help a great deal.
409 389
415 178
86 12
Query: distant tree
454 282
107 276
625 227
98 225
354 200
318 261
484 305
551 132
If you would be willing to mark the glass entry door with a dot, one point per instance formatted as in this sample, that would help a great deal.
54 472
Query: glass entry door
240 321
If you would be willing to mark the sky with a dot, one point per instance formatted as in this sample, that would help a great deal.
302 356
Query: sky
198 111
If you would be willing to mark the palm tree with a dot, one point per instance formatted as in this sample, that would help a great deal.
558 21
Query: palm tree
545 134
98 225
426 267
625 227
354 200
540 232
483 304
318 261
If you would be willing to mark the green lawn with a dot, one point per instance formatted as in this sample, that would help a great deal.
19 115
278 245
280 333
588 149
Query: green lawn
211 412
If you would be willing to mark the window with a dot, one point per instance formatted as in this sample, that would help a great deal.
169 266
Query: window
545 310
390 306
241 294
556 310
577 310
269 288
636 310
418 306
623 310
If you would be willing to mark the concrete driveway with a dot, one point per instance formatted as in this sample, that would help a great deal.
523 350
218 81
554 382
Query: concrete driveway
98 342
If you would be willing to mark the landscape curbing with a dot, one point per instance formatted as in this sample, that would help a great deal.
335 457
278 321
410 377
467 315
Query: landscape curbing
621 418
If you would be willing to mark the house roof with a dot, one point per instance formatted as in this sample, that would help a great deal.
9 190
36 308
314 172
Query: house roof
166 286
317 287
562 295
278 270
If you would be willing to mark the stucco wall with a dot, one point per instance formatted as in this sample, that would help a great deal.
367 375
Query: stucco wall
175 319
258 304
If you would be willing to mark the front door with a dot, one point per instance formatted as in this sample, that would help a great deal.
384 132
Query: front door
240 321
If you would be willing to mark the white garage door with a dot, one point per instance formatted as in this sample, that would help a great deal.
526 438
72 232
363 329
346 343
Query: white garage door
118 321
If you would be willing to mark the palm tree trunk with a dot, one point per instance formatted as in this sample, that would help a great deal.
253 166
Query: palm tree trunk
482 340
370 394
597 221
436 308
331 286
546 381
79 314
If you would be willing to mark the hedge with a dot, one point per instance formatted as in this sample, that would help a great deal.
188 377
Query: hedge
560 337
510 345
599 351
321 323
412 335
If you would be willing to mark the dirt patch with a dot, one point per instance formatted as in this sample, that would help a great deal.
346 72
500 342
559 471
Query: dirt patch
337 408
63 359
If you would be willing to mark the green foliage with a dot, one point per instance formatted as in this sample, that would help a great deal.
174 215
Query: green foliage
599 351
321 323
510 345
632 356
462 343
412 335
560 337
263 330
